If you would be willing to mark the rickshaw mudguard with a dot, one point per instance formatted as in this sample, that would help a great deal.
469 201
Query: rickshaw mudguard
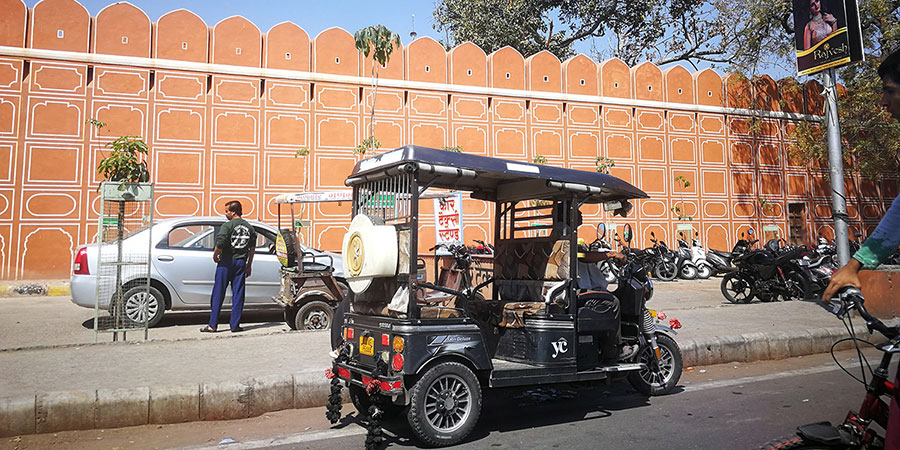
312 292
473 352
664 329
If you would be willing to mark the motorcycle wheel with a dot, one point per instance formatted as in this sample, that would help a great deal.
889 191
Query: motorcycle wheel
797 288
666 271
793 443
688 271
736 289
650 382
704 271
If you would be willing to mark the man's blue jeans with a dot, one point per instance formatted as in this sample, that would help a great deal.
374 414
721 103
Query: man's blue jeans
228 271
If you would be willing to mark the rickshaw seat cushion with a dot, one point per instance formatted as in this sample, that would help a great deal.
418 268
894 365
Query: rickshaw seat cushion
514 313
532 259
438 312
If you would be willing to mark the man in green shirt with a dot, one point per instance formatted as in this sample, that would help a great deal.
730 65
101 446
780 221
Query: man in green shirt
235 246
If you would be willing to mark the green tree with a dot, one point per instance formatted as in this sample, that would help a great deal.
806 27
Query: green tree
380 43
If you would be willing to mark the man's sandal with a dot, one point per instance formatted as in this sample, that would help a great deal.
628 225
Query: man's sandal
207 329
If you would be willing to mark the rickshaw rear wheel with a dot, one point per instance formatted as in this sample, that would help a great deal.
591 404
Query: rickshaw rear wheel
444 404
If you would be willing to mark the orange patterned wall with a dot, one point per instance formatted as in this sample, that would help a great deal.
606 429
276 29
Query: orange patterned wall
224 107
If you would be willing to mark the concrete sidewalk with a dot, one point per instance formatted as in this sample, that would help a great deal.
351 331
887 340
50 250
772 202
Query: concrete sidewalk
226 376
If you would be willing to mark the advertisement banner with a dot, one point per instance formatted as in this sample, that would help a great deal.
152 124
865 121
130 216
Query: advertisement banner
827 34
448 221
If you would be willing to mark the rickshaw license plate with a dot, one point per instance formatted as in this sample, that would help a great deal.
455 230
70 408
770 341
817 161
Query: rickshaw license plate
366 345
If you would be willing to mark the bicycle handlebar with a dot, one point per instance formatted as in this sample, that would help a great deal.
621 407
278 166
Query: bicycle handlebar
849 298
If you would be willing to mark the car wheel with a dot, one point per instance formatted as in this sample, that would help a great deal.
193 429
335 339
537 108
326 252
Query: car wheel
444 404
142 305
314 315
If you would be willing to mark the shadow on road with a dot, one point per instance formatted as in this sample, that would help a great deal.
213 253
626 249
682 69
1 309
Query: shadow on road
514 409
250 319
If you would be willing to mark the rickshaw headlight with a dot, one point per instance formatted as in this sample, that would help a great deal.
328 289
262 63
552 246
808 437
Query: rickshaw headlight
399 344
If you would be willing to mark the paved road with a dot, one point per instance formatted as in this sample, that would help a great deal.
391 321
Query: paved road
729 406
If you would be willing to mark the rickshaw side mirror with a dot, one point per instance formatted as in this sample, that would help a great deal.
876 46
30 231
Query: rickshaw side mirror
750 231
601 231
626 233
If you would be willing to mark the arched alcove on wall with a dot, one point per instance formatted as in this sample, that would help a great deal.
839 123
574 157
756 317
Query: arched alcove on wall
506 69
236 41
615 79
426 61
544 72
580 74
679 85
287 47
122 29
709 88
468 65
181 35
648 82
60 25
334 51
13 23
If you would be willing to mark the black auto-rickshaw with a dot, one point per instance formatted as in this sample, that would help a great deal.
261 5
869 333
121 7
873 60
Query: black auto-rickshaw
533 322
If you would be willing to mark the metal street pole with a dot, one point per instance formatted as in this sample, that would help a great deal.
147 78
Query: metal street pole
836 167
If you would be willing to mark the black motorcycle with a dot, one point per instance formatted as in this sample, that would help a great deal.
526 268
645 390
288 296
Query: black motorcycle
721 262
769 275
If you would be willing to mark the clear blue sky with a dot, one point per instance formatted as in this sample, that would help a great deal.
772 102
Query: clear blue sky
312 16
317 16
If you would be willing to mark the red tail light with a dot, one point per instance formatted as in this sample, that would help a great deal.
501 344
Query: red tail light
81 263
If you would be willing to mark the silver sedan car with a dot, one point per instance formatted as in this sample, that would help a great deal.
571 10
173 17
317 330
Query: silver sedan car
182 269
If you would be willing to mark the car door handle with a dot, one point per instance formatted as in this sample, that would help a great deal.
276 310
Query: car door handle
165 258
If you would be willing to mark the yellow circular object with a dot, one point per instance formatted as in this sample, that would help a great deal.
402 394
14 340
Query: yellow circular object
356 254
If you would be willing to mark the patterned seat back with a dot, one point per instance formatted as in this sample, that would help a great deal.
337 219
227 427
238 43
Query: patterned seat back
522 267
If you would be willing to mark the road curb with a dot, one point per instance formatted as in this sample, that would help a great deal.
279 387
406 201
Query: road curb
110 408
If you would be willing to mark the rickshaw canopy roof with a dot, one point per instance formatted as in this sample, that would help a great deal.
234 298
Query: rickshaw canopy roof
492 179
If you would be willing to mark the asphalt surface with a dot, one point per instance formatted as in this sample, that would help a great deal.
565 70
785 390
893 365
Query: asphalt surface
55 377
725 406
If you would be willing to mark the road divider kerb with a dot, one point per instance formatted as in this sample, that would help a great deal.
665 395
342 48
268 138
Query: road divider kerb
110 408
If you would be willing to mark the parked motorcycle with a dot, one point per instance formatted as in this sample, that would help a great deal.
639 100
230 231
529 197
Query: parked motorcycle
698 255
821 265
670 263
721 261
768 275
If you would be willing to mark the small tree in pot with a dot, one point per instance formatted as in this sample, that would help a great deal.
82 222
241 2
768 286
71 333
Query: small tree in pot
125 175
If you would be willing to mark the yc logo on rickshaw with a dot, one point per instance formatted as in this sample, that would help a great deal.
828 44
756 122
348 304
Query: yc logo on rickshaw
560 346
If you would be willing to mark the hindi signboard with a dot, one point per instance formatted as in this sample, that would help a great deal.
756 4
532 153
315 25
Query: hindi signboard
826 33
448 221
